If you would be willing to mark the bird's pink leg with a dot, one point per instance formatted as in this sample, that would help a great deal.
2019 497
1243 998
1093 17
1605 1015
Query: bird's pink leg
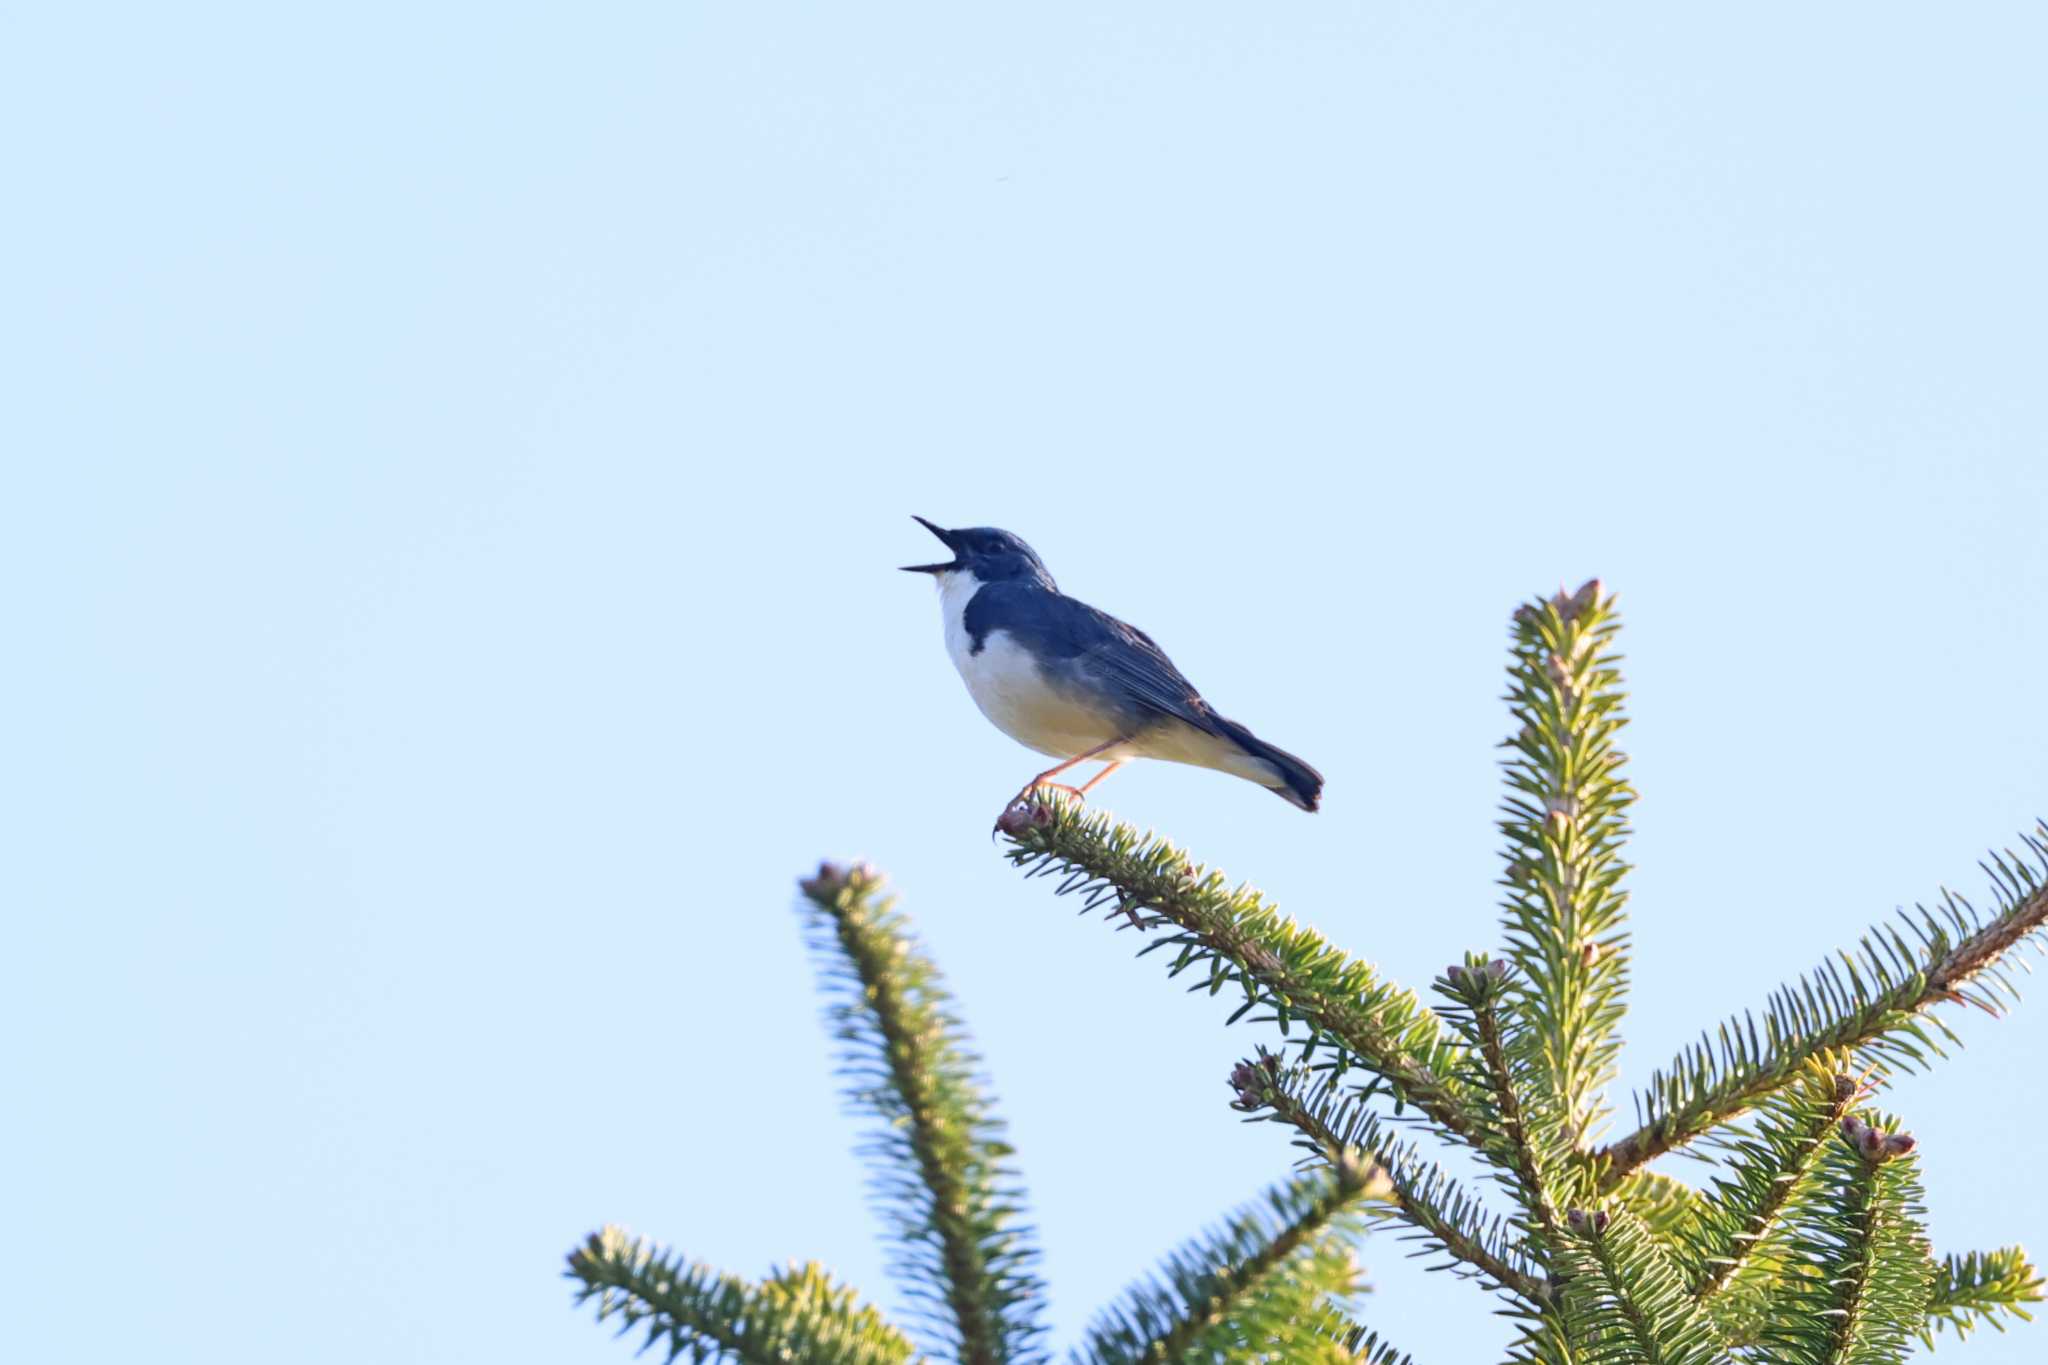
1042 780
1112 766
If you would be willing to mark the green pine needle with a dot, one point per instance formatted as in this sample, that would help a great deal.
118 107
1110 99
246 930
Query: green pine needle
1768 1172
1444 1218
1526 1136
693 1311
1979 1289
1364 1347
1234 939
1669 1208
1268 1285
943 1177
1853 1285
1874 1002
1628 1296
1566 821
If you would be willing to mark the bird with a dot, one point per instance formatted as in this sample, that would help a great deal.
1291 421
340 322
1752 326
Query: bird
1075 683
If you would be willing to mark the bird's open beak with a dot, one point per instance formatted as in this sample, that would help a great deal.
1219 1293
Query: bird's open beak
943 534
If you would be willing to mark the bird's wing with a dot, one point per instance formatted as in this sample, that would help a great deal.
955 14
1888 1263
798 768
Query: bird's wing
1128 656
1074 635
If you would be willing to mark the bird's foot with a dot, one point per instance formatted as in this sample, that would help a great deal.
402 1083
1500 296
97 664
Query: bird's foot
1020 817
1029 796
1028 810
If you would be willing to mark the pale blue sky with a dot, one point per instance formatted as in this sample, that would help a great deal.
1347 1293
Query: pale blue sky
459 460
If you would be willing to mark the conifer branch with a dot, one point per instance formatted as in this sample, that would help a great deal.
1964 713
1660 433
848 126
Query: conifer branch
1875 1003
1236 938
944 1183
1668 1208
1771 1169
1524 1136
1520 1154
1857 1276
1566 819
1629 1296
1445 1217
795 1314
1974 1290
1546 1340
1850 1325
1260 1288
1364 1347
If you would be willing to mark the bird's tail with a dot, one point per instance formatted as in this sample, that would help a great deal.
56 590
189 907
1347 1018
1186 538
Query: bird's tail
1293 780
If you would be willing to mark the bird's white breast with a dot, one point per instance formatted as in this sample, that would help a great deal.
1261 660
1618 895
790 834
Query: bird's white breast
1010 688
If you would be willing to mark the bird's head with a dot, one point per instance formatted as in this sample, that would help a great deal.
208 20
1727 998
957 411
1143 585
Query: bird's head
990 555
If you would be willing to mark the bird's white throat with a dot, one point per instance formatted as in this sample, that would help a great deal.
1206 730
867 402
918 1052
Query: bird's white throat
956 589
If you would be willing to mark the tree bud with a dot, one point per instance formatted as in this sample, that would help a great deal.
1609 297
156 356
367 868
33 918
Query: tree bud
1250 1084
830 877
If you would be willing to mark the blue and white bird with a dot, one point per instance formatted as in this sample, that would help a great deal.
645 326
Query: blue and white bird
1058 676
